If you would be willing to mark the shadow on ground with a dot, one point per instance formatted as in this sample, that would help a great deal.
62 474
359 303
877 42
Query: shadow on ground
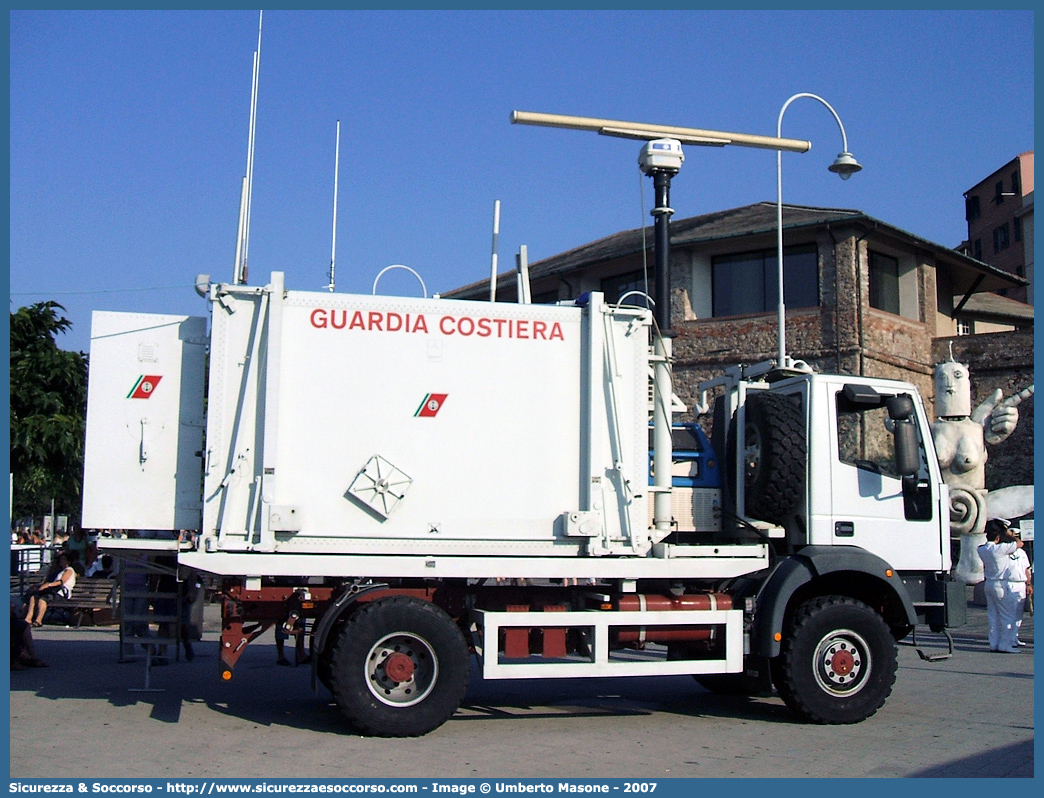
1013 761
267 695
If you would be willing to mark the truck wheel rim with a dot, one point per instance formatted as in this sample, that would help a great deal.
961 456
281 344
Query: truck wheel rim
842 663
751 454
401 669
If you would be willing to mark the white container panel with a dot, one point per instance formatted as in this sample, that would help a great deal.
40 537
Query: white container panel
232 435
477 405
142 467
620 429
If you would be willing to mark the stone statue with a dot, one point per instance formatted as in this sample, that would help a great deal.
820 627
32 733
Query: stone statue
960 437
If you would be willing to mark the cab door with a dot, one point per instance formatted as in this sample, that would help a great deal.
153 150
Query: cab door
871 507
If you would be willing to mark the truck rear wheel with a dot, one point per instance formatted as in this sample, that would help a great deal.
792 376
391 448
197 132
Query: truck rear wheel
324 668
399 667
838 662
774 455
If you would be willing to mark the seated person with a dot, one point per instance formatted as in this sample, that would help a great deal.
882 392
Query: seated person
98 568
23 654
60 582
91 564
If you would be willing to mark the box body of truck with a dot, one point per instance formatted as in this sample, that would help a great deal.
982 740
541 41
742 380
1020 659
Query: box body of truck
384 425
512 436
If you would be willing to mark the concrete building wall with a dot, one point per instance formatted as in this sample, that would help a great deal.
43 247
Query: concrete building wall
945 323
1027 237
999 199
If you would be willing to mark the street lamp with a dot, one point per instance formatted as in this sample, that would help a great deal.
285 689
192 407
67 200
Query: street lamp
845 165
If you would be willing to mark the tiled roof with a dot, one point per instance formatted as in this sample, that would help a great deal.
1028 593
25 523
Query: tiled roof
747 220
997 306
733 223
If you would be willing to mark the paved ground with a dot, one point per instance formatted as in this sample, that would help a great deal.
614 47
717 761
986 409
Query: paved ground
969 716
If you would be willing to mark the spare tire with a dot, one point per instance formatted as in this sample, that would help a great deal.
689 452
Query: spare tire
775 455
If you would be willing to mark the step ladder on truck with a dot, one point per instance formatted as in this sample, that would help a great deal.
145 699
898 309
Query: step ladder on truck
420 480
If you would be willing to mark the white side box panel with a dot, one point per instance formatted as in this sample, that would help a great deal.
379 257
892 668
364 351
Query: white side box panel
497 460
142 469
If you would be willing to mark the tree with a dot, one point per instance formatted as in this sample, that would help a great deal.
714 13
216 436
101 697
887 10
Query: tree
48 413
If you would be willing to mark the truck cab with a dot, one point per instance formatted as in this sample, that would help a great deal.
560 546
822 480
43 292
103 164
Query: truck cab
840 474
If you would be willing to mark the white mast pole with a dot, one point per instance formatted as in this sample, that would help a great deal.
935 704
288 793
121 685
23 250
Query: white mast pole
243 247
333 244
493 267
239 230
525 295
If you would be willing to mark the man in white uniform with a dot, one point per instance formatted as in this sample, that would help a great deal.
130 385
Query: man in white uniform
1022 583
1002 599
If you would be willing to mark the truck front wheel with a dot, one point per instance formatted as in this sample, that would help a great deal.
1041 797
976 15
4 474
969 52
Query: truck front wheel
399 667
838 663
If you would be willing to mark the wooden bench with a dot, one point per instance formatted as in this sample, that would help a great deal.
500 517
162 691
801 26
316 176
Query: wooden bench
94 598
91 597
25 580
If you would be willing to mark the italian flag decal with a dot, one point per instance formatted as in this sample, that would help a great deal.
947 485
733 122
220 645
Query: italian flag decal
144 387
431 405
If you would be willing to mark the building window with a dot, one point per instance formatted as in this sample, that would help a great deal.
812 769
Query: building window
1015 183
620 285
971 208
977 249
546 298
998 196
884 283
747 283
1000 238
964 327
1016 228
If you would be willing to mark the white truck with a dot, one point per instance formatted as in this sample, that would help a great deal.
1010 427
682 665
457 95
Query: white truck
408 482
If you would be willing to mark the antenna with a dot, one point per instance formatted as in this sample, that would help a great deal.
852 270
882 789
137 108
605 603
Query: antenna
493 266
333 244
239 232
243 241
647 132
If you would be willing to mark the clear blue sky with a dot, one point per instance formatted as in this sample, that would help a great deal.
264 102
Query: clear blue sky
129 135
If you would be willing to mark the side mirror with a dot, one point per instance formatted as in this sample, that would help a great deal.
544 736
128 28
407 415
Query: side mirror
907 448
904 432
900 408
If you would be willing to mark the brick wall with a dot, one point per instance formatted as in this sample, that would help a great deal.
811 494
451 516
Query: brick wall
898 349
895 348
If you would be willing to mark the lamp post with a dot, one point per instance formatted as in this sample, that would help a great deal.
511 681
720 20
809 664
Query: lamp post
845 165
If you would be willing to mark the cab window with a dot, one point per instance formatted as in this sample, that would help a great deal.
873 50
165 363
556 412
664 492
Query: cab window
865 440
863 437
